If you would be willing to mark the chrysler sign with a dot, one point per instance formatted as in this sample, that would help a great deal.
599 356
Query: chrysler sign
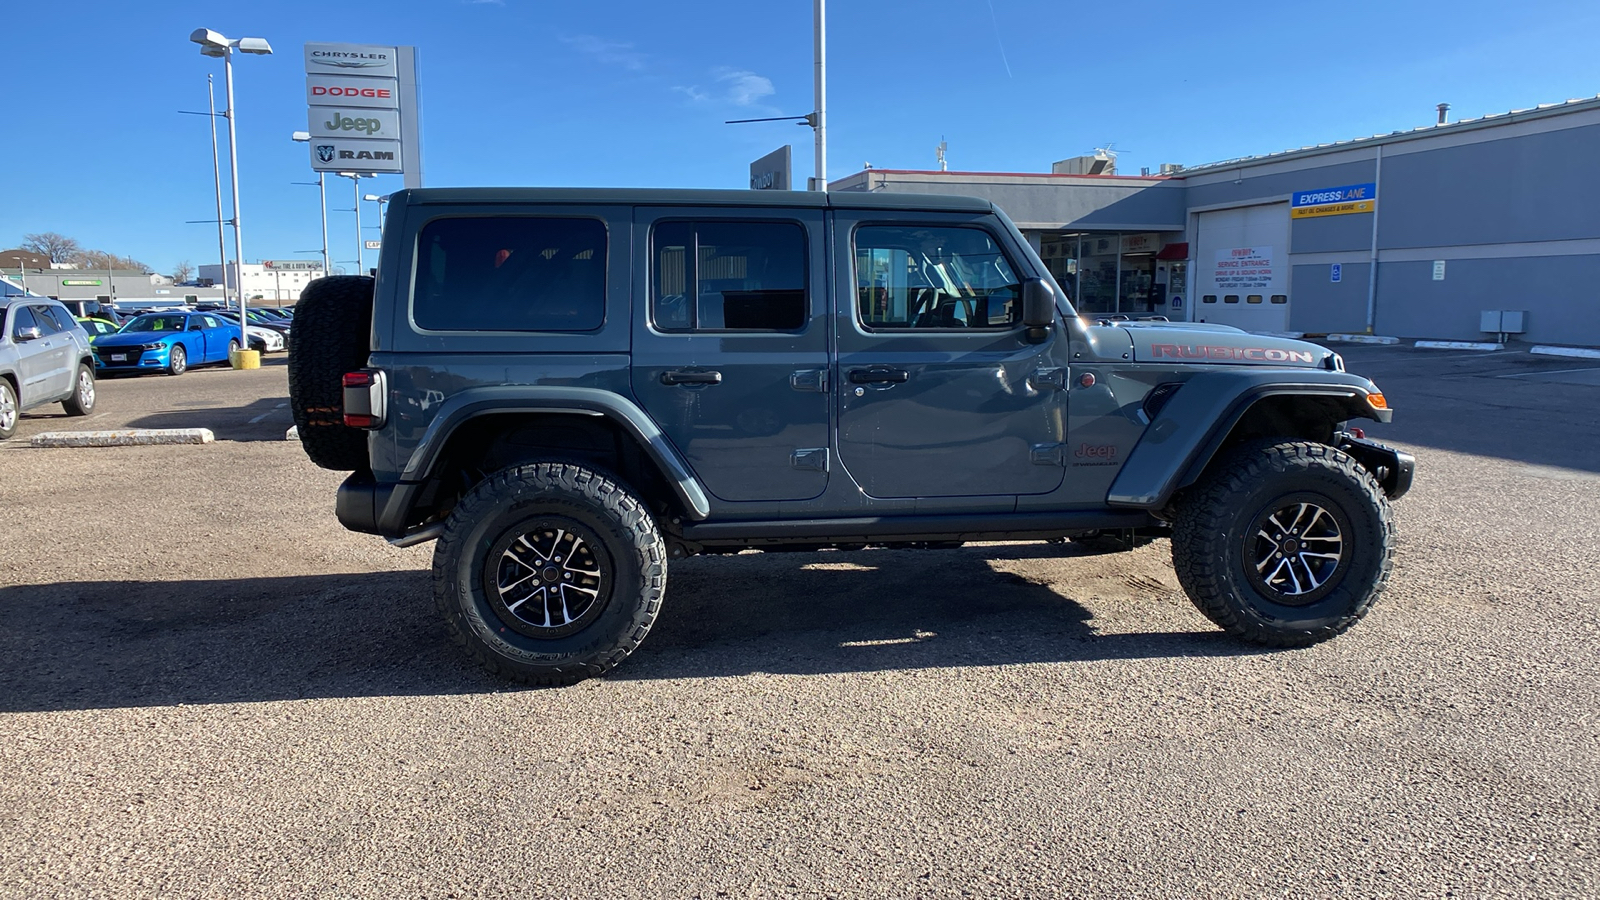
337 59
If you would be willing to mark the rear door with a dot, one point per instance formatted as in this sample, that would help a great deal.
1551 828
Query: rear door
935 396
730 355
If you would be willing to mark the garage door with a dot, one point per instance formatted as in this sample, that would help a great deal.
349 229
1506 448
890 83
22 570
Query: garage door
1241 267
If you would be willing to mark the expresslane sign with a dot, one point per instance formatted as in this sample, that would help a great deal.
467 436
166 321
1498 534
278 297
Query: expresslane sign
1334 201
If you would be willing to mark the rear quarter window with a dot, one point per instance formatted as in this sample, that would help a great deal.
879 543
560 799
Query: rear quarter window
510 273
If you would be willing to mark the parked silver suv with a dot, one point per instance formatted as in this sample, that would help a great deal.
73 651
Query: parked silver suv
44 358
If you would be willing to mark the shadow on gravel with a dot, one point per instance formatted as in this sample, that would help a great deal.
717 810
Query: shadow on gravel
92 645
265 419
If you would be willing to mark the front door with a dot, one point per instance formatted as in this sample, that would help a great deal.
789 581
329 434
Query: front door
731 357
939 392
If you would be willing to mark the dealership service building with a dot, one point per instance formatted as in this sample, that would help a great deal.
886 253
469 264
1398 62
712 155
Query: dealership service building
1411 234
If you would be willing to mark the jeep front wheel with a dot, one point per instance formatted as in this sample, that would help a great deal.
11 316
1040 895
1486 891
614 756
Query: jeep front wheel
1286 544
549 573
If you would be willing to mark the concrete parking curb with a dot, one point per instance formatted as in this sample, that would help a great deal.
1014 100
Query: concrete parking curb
1362 339
1578 352
136 437
1459 345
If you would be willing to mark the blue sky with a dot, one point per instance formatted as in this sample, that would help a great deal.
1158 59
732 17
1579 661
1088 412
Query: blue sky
536 92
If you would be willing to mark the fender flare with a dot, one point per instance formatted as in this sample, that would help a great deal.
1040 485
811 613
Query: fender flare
532 398
1189 430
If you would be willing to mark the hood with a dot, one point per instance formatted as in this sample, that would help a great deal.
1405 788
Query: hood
1203 342
127 338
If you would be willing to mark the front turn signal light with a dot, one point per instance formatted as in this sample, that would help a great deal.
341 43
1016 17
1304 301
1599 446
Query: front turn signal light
1376 401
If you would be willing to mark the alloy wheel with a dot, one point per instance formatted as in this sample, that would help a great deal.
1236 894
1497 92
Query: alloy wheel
1294 551
550 578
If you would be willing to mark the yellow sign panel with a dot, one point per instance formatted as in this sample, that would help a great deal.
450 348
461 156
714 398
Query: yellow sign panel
1334 209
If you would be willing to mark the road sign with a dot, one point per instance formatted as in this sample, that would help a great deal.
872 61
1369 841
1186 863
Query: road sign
374 245
1336 273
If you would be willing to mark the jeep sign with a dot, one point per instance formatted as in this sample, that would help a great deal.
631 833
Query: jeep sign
333 122
363 110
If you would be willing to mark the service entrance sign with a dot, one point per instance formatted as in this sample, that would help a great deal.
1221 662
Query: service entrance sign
362 110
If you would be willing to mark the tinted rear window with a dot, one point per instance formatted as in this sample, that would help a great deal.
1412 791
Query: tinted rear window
511 273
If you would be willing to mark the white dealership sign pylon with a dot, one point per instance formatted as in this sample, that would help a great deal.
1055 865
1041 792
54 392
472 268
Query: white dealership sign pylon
362 108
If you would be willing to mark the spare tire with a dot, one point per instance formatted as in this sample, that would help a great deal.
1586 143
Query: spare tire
332 336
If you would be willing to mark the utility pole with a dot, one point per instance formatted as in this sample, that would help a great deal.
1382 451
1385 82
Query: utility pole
216 174
821 89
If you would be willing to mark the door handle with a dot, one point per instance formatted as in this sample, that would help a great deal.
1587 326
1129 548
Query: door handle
879 375
687 377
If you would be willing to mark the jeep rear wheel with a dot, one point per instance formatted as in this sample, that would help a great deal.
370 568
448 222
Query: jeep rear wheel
1286 544
332 325
549 573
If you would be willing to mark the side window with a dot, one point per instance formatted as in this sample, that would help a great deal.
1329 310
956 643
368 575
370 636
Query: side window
21 318
212 322
48 322
934 277
510 273
728 276
195 324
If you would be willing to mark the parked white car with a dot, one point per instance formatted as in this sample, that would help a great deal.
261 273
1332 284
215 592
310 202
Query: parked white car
263 339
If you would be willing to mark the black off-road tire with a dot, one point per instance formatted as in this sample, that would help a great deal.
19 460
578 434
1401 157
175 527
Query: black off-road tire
1216 542
470 563
81 403
333 331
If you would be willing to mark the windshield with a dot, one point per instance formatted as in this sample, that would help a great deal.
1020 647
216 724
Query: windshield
156 323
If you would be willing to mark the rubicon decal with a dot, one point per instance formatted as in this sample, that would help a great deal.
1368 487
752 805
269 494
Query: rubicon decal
1241 354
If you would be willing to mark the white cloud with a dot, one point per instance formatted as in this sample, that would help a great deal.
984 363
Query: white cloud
745 88
615 53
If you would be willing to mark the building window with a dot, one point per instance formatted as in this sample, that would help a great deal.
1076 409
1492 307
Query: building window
510 273
1208 298
1253 298
1280 298
1230 298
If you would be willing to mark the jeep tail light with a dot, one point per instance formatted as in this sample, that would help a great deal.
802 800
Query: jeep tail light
364 398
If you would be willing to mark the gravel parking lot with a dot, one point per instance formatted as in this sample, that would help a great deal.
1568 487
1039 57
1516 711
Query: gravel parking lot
209 688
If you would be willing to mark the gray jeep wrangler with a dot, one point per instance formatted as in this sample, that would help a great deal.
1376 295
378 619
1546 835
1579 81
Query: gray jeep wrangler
568 388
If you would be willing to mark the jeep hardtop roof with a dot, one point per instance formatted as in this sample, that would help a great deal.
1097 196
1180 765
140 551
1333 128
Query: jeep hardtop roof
692 197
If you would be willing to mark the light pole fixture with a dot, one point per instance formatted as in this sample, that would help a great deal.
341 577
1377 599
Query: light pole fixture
217 46
322 189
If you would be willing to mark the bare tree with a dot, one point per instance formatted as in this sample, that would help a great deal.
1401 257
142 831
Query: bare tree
58 247
182 271
100 259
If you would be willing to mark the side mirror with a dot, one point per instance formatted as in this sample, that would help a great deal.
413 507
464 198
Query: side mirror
31 333
1038 308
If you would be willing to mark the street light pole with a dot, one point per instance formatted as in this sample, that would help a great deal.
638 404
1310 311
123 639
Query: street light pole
361 257
322 190
821 90
216 45
233 174
216 175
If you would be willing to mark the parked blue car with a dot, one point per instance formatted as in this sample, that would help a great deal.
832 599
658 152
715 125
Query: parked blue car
167 342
